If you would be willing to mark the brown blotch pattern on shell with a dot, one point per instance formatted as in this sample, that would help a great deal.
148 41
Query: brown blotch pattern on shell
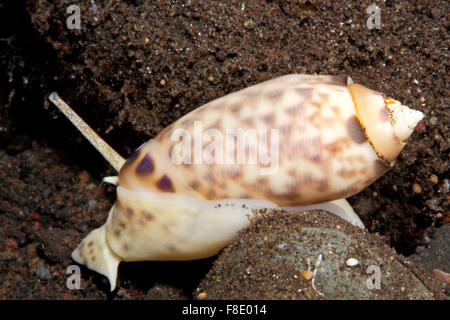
235 109
269 118
148 216
195 184
355 130
337 146
146 166
305 92
211 194
209 176
248 121
217 105
274 95
323 185
315 158
233 173
347 173
262 182
217 125
324 97
285 130
292 172
289 196
165 184
129 212
292 110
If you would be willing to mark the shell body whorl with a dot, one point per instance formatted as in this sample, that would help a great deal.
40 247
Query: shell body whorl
324 153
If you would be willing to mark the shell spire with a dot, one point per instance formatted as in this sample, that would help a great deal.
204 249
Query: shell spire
387 122
403 119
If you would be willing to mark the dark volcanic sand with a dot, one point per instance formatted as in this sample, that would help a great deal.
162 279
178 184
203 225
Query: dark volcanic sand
134 68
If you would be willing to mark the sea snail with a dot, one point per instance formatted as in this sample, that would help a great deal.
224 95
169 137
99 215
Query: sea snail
329 139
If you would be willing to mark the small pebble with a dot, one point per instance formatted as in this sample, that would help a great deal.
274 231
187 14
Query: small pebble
82 227
202 295
434 178
436 13
307 274
43 271
351 262
416 188
433 121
